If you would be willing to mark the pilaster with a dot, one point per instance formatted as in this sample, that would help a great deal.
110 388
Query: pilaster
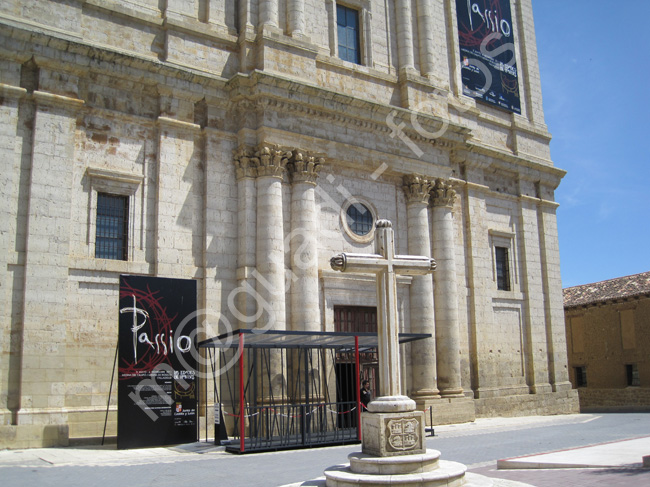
47 252
178 198
532 280
554 305
246 172
10 148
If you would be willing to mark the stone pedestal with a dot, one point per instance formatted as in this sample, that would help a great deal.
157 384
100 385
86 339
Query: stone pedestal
393 434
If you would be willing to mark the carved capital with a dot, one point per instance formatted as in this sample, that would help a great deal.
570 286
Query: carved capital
245 163
304 168
443 194
417 189
271 161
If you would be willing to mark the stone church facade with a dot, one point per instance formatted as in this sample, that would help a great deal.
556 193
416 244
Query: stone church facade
242 144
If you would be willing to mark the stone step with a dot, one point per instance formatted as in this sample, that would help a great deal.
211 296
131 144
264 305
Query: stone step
448 474
397 465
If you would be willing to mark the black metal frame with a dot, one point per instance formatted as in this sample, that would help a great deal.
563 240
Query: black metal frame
293 408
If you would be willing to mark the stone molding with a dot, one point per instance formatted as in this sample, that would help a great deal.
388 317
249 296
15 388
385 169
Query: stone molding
304 167
443 194
417 189
43 98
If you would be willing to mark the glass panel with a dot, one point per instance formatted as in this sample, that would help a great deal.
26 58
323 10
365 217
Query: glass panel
347 20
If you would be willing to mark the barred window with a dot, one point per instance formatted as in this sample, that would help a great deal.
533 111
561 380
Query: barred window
111 237
581 376
503 268
359 219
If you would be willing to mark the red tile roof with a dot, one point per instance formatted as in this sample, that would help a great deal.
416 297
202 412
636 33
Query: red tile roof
613 289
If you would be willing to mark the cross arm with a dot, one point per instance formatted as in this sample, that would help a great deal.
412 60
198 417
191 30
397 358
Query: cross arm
368 263
414 265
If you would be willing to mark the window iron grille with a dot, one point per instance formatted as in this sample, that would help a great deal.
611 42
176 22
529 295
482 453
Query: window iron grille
111 236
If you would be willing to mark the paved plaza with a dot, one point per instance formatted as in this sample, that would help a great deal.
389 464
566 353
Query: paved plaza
570 450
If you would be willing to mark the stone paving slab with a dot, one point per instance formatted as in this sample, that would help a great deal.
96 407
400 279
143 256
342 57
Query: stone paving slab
572 477
619 454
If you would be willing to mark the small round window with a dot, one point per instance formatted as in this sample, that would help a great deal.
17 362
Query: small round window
359 219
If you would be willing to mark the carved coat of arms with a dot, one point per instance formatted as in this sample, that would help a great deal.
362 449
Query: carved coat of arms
403 433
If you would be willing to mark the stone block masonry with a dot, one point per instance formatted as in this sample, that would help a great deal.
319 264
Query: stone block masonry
167 104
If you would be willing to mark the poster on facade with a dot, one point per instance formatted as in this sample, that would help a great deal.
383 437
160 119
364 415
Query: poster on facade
157 402
487 52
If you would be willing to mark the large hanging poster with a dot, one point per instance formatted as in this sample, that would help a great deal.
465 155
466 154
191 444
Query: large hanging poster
487 52
158 387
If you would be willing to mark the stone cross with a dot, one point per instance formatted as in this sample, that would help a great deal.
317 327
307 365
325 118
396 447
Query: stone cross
386 266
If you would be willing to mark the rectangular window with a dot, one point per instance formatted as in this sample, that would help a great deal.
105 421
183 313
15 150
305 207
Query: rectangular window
111 237
632 372
347 20
502 268
581 376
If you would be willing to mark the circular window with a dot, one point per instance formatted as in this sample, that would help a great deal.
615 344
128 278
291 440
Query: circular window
359 219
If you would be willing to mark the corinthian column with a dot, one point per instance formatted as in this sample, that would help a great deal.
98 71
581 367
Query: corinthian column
446 295
271 167
305 311
423 352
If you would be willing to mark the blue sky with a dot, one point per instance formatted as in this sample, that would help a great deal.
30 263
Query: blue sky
594 60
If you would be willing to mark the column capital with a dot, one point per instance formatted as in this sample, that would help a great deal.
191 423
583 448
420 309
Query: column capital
443 193
304 167
417 189
265 160
245 166
271 161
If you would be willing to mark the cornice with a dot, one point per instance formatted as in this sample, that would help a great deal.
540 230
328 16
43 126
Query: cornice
12 92
334 107
43 98
481 157
97 54
178 124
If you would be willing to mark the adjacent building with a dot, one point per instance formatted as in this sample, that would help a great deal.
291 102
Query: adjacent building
608 337
242 143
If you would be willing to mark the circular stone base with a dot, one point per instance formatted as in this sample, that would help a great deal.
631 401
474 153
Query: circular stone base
400 465
448 474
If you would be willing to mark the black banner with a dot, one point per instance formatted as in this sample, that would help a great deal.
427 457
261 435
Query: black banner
487 52
158 387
